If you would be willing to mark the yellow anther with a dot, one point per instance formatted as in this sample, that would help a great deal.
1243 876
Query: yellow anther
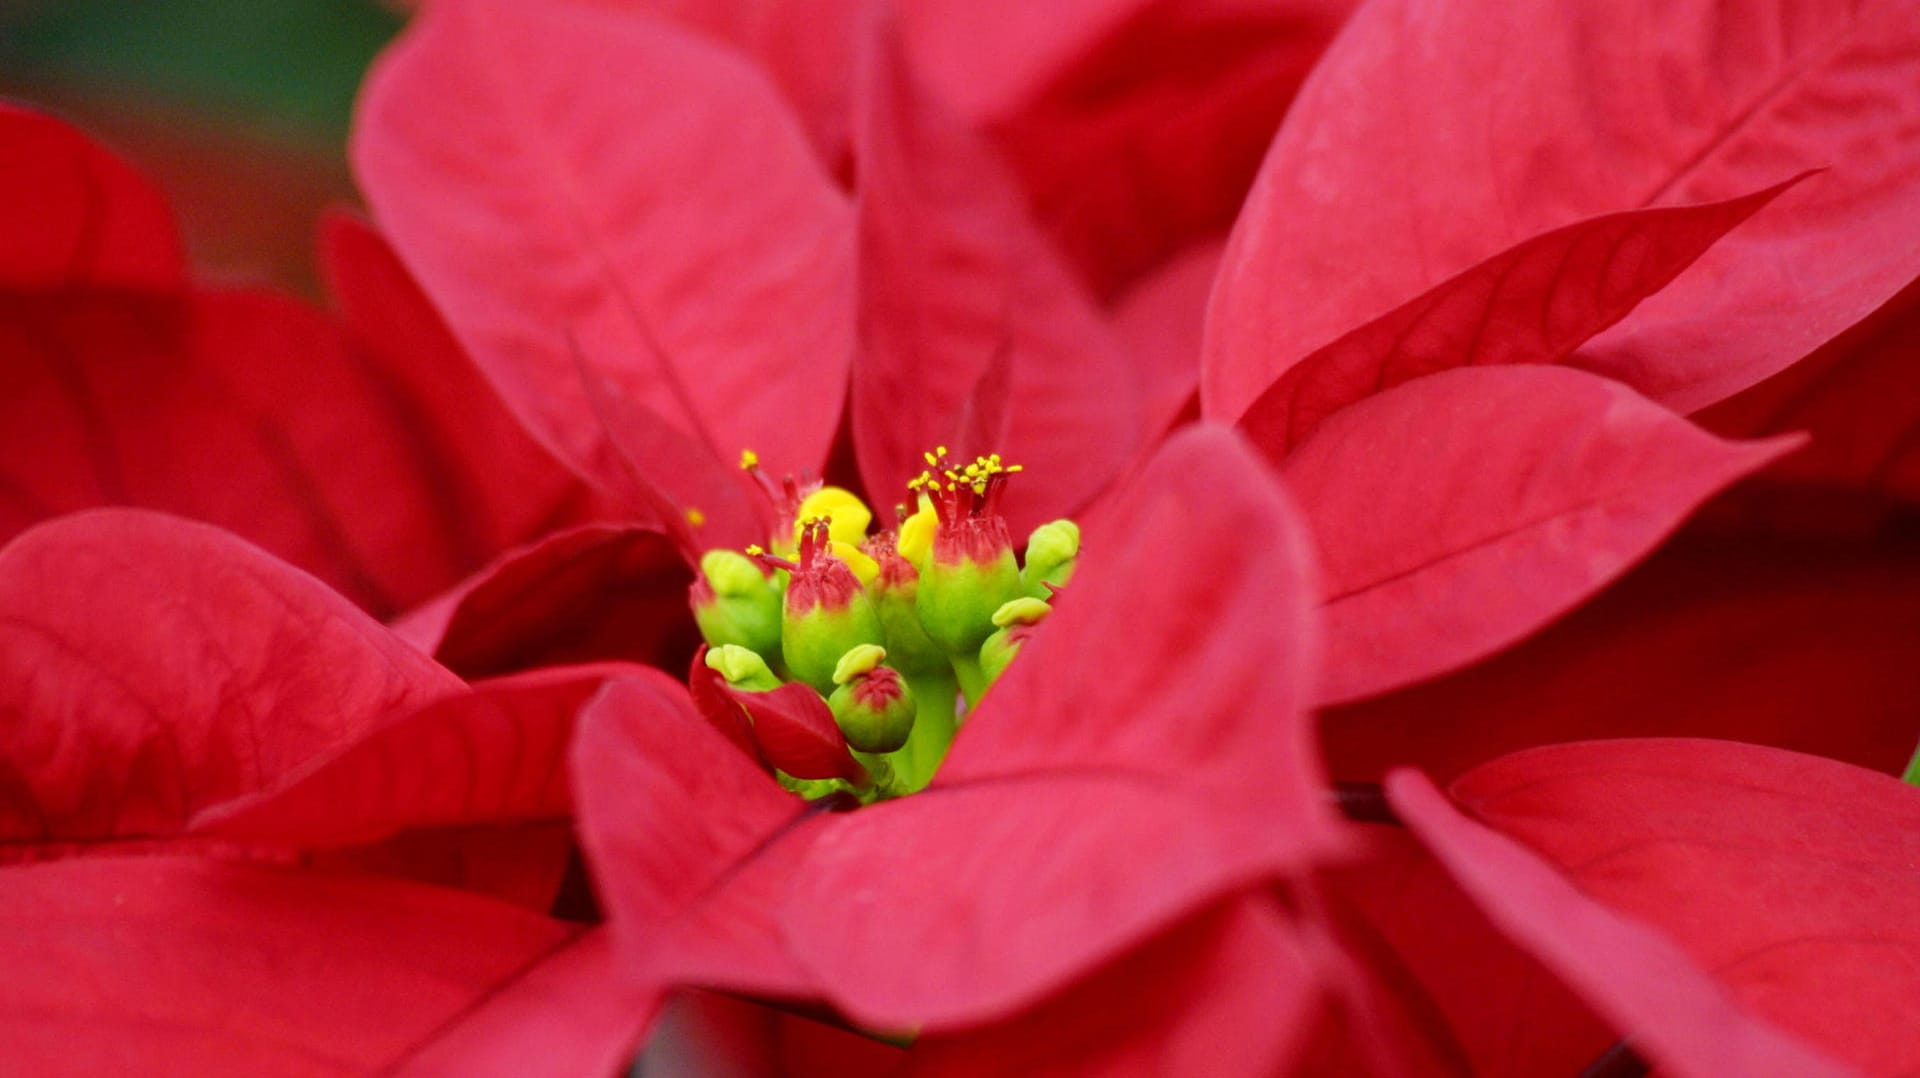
846 514
695 517
754 550
1022 611
859 659
916 535
864 568
749 460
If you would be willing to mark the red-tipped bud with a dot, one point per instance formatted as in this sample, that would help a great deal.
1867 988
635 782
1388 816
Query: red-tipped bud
872 703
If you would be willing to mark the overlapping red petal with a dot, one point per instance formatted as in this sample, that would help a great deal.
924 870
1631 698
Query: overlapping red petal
1804 645
76 216
1858 398
157 667
1427 986
954 280
1226 993
699 259
178 966
1190 611
1679 1017
588 594
1791 877
494 755
1366 200
1136 127
572 1013
1532 303
1461 511
499 484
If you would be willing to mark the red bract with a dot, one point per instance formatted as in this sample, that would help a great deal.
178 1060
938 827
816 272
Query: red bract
1803 644
1083 809
375 459
179 690
562 237
158 667
672 325
1517 238
1602 109
1679 1017
196 967
1792 878
1459 511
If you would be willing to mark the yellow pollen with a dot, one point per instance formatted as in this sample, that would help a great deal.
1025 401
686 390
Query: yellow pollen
749 460
846 515
916 535
695 517
865 569
754 550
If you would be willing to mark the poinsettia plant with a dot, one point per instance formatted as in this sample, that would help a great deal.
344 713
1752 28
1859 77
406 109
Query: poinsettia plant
358 715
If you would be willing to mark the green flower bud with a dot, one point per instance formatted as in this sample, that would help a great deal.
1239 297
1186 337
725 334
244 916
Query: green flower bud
827 612
872 704
957 598
735 602
969 568
1052 551
895 590
1016 621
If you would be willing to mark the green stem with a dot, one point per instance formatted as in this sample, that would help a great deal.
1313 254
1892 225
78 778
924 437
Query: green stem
917 760
973 680
1912 777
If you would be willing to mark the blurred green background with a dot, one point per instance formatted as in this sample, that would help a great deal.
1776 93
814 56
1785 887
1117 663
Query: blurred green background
239 108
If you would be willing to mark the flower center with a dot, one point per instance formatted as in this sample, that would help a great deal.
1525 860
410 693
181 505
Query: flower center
897 633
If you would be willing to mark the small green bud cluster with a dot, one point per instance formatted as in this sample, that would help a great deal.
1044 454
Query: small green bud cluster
889 628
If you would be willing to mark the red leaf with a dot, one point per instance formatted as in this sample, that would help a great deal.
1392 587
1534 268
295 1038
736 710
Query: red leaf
706 227
1395 172
1047 875
1428 986
807 49
492 476
495 755
1800 646
1858 398
710 695
244 409
594 593
153 667
1136 127
667 811
665 477
572 1014
524 864
78 216
1791 877
790 727
1675 1015
796 731
1160 319
1457 513
1532 303
1182 651
1226 993
954 280
192 967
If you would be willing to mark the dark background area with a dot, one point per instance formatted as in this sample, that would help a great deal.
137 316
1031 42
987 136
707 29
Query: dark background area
238 108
